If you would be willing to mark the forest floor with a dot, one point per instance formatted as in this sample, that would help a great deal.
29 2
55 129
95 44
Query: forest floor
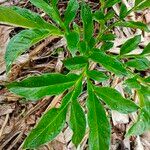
18 117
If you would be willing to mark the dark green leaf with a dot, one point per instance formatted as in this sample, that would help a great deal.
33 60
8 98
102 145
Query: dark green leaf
132 24
49 126
77 62
21 17
143 122
86 16
77 118
22 42
140 63
72 42
82 47
146 50
147 79
109 62
107 46
36 87
99 136
47 1
130 45
51 11
97 75
110 3
138 2
108 37
99 15
123 11
115 101
71 11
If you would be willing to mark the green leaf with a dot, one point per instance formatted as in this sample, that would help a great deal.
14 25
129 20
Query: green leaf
71 11
130 45
143 4
77 118
49 126
22 42
97 75
47 1
98 15
147 79
132 24
99 136
22 17
115 101
138 2
110 3
143 122
146 50
108 37
47 8
110 14
36 87
109 63
123 11
140 63
75 63
86 16
82 47
72 42
106 46
133 83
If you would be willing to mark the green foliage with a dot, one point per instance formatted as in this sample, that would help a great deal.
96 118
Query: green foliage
84 48
130 45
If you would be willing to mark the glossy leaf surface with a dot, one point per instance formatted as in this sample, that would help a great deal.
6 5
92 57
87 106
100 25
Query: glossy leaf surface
36 87
49 126
115 101
130 45
21 43
99 136
77 117
109 63
77 62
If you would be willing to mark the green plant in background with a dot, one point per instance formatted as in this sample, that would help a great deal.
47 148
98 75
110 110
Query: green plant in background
84 50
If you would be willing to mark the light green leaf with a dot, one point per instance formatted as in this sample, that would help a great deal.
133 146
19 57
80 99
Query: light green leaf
86 16
97 75
132 24
22 17
22 42
115 101
72 42
99 136
47 8
77 118
110 3
77 62
108 62
146 50
36 87
130 45
133 83
143 122
143 4
123 11
49 126
71 11
140 63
